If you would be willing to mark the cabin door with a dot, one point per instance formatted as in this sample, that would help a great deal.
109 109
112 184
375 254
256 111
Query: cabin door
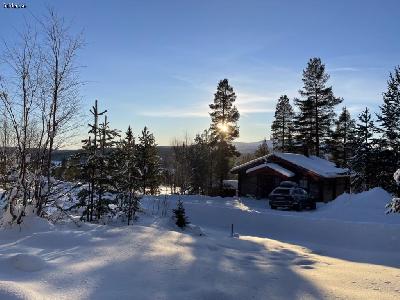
265 185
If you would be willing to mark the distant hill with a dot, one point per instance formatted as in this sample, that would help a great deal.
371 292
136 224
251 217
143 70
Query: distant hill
166 151
246 148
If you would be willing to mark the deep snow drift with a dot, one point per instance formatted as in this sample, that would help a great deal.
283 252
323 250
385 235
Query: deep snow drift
346 249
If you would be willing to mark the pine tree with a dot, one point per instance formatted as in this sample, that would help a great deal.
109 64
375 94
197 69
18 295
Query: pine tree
201 164
389 116
180 215
282 127
128 176
224 129
343 139
97 167
362 164
148 162
262 149
389 129
316 107
106 167
90 155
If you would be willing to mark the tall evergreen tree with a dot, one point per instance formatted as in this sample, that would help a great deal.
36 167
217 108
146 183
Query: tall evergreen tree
128 176
106 167
389 116
313 122
224 128
362 164
98 166
343 139
148 162
282 127
389 129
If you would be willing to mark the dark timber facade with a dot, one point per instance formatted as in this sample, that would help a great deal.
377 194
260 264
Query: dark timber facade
259 177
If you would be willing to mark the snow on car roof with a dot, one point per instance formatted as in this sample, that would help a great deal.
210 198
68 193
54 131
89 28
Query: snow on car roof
274 167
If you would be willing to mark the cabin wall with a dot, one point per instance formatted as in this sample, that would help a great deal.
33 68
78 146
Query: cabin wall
265 184
342 185
334 187
328 192
259 185
248 184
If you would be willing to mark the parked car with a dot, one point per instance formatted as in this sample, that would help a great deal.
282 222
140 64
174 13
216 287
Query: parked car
288 195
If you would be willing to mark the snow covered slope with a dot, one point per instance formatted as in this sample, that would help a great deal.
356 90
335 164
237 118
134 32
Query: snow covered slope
324 254
364 207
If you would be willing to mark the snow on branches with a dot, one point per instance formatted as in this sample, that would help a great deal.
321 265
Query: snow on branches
394 205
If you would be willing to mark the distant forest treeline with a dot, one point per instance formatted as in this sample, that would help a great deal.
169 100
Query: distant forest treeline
165 152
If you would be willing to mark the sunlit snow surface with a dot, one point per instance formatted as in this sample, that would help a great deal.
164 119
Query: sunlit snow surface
347 249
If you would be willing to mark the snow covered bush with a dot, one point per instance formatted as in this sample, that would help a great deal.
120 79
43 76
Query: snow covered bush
396 177
394 205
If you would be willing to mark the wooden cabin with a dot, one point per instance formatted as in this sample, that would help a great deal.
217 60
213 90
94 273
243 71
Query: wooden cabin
320 177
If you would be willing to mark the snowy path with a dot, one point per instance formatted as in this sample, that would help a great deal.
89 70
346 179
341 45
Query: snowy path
354 229
143 262
152 260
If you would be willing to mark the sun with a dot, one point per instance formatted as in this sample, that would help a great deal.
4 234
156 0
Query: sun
223 127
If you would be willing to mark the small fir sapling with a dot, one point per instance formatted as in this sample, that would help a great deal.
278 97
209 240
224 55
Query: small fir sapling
180 216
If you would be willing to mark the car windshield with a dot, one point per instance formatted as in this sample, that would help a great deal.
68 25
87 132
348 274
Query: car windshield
282 191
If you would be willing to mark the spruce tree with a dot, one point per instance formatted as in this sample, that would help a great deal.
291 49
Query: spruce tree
316 108
389 129
180 215
128 176
262 149
107 171
98 167
362 164
343 139
148 162
89 169
389 116
224 129
282 127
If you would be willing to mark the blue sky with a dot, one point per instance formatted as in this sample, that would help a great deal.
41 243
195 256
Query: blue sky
157 63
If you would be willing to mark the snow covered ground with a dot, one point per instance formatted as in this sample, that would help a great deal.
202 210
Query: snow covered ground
347 249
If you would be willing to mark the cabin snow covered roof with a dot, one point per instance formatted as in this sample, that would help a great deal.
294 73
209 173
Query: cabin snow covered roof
273 166
317 165
250 163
